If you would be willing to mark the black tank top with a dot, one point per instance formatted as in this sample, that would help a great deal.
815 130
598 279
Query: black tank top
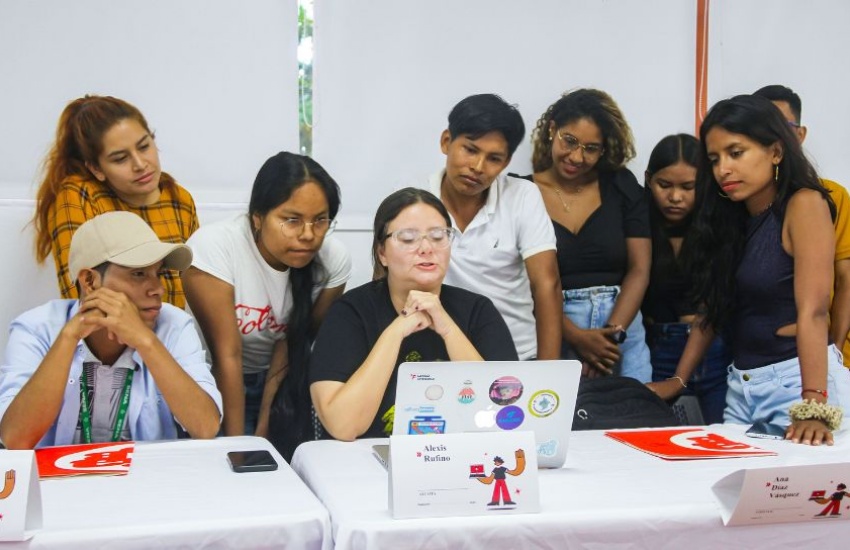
764 296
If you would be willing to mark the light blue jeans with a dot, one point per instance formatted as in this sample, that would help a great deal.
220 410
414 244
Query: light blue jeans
767 392
590 308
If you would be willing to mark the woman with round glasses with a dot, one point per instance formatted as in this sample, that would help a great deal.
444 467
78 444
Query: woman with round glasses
406 315
600 213
261 282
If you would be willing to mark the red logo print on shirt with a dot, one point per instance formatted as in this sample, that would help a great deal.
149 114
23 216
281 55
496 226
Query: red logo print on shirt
249 319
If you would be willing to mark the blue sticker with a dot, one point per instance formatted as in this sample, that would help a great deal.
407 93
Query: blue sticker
548 448
425 425
510 417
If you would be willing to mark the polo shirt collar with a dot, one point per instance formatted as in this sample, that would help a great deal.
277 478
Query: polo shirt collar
492 193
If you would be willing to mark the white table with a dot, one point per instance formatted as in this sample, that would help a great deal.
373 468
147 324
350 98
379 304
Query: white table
607 495
183 494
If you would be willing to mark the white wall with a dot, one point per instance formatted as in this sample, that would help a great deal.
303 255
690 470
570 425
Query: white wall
216 80
803 45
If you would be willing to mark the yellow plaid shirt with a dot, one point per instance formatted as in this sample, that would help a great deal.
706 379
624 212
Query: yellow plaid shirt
173 218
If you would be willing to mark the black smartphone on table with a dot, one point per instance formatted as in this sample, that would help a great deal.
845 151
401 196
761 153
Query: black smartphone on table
251 461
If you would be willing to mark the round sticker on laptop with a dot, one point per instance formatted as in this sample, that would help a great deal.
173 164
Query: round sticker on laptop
543 403
510 417
505 390
466 395
434 392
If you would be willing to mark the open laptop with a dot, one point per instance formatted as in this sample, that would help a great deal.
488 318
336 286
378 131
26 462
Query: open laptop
485 396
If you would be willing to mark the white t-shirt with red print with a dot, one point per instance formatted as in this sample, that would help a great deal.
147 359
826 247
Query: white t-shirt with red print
263 296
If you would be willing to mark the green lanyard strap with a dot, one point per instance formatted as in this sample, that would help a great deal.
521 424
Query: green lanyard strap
85 408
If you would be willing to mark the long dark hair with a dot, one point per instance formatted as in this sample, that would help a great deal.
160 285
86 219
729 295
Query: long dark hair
290 421
390 208
719 230
669 151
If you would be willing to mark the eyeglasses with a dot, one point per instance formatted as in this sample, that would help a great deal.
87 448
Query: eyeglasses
792 124
409 239
570 143
293 227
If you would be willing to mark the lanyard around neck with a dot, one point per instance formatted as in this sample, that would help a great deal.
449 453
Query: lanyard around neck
85 408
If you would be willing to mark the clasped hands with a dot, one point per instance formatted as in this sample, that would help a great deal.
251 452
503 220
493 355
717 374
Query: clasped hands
597 350
424 310
110 310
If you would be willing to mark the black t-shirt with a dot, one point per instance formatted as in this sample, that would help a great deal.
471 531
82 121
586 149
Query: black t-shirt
356 321
597 255
667 297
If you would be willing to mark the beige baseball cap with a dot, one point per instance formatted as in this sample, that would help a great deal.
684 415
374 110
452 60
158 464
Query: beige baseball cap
124 239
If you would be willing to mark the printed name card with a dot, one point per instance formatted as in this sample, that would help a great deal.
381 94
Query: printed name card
464 474
20 496
816 492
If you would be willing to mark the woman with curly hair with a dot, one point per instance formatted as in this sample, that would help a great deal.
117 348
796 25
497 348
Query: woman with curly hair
104 158
581 146
762 265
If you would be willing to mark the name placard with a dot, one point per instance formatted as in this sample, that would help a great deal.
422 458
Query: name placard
817 492
464 474
20 496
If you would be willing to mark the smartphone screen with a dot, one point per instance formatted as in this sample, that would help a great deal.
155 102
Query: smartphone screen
251 461
765 430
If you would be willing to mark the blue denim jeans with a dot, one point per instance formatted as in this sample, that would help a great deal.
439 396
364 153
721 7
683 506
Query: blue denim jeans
590 308
254 385
708 382
767 392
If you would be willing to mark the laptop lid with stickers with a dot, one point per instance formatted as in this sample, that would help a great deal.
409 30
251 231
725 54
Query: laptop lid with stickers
486 396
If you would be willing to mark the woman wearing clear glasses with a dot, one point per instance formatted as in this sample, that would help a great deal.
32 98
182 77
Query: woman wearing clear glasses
600 213
260 283
406 315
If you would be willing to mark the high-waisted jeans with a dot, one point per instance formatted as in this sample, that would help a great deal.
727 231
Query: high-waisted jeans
590 308
708 381
767 392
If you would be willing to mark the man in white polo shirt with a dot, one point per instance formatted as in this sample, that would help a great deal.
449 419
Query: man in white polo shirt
506 246
117 364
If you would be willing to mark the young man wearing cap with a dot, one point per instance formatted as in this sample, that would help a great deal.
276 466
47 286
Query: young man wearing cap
117 364
791 107
505 248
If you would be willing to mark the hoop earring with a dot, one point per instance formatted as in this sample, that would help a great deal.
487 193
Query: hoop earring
723 195
776 173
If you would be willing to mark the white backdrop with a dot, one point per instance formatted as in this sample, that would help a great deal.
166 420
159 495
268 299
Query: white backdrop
216 80
803 45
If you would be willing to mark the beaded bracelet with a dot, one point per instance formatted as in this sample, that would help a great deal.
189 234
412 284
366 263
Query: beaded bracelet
824 393
809 409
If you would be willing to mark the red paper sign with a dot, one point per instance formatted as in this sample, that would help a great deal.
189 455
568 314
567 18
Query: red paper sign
686 444
89 459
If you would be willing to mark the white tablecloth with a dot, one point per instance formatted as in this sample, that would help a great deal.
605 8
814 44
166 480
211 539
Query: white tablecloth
183 494
607 495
